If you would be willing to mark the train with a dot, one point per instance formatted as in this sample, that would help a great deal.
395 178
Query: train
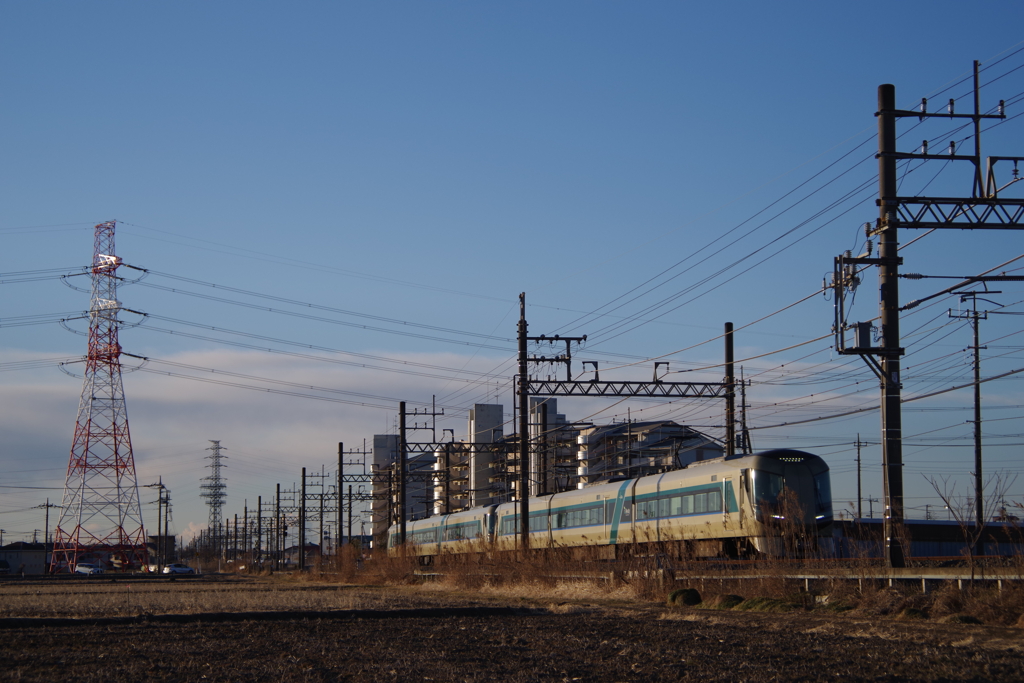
741 506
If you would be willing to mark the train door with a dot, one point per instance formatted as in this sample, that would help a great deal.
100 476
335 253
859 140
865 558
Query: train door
728 502
661 512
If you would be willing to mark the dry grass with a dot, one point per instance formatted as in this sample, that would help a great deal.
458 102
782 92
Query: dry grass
73 599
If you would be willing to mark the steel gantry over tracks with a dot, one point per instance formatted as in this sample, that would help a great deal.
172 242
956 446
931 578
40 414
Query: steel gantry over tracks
526 387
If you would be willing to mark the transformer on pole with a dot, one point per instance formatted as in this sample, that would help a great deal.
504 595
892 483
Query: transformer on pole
101 515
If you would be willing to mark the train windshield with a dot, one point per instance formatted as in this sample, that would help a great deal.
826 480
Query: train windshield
767 487
823 495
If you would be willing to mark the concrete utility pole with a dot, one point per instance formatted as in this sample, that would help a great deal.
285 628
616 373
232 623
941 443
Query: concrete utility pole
524 431
979 487
860 509
403 463
981 210
302 523
730 395
890 352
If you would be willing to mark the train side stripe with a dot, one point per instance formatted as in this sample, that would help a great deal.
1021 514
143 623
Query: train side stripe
619 498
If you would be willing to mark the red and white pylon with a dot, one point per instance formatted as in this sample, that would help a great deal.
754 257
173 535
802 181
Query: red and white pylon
101 519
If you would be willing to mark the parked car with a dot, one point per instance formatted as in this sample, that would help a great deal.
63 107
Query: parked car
4 567
178 568
88 568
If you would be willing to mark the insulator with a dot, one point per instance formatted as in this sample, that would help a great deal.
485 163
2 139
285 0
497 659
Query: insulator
870 247
952 102
867 230
924 147
1002 108
924 105
952 147
912 276
848 253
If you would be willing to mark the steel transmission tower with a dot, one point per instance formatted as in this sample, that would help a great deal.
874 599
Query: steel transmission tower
215 491
101 515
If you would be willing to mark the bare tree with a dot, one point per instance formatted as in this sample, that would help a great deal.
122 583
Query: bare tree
962 508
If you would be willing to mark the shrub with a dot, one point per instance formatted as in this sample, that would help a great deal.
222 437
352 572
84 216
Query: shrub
684 597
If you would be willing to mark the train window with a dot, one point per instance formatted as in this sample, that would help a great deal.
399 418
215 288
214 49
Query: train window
767 486
700 503
508 525
609 511
714 501
675 506
424 536
663 507
627 511
687 505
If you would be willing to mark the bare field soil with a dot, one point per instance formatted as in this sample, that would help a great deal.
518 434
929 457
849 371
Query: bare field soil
324 632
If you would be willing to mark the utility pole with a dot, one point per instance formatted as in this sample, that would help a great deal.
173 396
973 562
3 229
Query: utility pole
730 395
524 430
302 523
258 554
402 465
321 540
338 485
350 514
976 317
748 447
161 527
278 540
888 282
543 469
860 499
245 534
167 515
982 210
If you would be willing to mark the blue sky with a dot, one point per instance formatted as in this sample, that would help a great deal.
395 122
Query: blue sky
426 162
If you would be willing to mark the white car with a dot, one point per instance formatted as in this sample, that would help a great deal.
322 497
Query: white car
178 568
88 568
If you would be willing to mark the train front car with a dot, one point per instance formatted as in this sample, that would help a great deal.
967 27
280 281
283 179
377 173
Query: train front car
790 497
775 503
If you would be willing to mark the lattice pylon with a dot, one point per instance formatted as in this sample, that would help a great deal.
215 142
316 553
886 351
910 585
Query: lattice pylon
101 517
